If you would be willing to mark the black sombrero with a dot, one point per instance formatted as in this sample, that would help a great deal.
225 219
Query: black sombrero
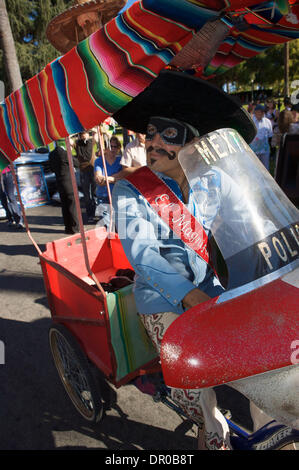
177 95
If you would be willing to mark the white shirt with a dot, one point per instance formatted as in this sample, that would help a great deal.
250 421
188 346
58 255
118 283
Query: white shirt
260 144
134 154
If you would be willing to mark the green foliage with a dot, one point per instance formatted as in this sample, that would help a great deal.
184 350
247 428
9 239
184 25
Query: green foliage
265 70
29 20
46 10
19 12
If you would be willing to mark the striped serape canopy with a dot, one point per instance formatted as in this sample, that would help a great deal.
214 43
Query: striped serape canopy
112 66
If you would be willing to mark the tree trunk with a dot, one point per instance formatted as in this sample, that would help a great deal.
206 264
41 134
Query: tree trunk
286 69
7 44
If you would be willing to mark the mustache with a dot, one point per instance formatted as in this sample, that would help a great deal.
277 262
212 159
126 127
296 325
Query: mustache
160 151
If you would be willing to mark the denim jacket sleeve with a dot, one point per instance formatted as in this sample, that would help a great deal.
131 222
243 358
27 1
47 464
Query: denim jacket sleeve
142 245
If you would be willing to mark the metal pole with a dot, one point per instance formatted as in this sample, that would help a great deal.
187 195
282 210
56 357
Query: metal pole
101 142
78 208
286 69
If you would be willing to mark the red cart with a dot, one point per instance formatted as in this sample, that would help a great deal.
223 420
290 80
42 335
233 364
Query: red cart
89 324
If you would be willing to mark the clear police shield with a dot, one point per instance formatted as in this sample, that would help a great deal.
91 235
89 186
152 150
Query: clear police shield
253 227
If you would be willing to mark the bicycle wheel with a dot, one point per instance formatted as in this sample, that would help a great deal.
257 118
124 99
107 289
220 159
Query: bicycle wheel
75 373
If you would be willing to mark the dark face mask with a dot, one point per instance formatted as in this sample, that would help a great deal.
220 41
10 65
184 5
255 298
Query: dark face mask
171 131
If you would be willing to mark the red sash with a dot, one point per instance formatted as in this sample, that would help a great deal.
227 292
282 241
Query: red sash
171 210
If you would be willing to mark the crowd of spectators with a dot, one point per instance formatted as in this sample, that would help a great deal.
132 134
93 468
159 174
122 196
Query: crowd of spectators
98 174
272 122
124 153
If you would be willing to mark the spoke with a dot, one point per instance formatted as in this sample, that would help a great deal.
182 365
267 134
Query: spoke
74 373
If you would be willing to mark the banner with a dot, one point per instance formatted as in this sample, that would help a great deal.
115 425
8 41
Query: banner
32 185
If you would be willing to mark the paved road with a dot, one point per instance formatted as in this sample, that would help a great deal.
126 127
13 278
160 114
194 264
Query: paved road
35 412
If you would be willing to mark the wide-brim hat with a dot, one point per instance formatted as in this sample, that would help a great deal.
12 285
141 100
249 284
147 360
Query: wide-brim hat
64 32
178 95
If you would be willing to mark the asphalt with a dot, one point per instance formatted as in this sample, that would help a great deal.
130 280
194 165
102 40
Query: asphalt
35 412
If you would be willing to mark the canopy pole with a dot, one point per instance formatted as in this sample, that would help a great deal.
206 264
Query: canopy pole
102 149
80 220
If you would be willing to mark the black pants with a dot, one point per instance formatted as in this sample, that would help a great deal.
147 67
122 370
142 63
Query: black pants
4 202
68 207
88 186
13 205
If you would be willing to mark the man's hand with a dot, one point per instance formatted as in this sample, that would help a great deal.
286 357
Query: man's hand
194 297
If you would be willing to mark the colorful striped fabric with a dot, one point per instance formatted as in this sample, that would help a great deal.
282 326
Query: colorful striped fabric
131 344
92 81
268 26
104 72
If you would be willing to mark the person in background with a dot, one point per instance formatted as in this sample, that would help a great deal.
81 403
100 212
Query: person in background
85 151
285 120
271 112
4 203
134 156
251 107
294 127
128 136
134 153
113 166
60 166
9 189
260 144
104 130
287 103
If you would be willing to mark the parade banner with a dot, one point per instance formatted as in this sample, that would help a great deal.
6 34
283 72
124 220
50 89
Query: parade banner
33 186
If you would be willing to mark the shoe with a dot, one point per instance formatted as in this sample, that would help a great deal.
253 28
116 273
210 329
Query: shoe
69 231
21 226
226 413
11 223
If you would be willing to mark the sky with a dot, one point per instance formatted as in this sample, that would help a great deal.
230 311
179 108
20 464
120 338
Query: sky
129 3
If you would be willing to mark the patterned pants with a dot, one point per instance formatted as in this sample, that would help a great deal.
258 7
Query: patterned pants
198 405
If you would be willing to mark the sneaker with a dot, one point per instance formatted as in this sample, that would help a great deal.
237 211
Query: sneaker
21 226
11 223
226 413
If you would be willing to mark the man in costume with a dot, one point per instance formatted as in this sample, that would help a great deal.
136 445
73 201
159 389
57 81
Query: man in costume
165 269
171 277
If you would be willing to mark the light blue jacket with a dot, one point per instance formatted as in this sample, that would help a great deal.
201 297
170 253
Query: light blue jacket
166 269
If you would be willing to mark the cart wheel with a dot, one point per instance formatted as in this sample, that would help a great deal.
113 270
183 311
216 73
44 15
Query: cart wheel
74 371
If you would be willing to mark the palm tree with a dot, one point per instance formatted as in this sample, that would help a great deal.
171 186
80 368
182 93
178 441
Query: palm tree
7 44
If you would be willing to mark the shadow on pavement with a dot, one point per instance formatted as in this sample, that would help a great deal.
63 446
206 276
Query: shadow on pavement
35 408
21 282
16 250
